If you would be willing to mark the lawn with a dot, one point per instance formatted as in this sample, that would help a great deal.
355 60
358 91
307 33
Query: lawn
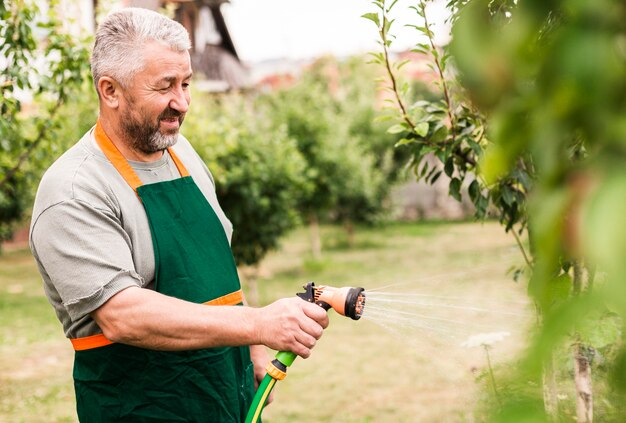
359 371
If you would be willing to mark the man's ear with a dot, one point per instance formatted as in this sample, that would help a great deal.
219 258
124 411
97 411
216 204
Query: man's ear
110 92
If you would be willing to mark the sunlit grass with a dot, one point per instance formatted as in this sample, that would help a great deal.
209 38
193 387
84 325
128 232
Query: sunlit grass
358 372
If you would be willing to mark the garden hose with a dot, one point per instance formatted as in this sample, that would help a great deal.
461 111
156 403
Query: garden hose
347 301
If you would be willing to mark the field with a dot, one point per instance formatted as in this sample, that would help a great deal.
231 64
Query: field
359 371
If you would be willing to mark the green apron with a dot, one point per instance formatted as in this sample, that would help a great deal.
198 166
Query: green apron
193 260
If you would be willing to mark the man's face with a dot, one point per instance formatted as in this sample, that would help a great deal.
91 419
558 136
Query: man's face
154 105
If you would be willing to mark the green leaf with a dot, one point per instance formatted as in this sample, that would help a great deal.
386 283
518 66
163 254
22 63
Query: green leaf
600 332
440 134
523 178
507 195
383 118
372 17
404 141
474 190
421 129
393 3
449 166
421 29
387 25
435 177
558 290
455 188
402 63
397 129
431 173
478 150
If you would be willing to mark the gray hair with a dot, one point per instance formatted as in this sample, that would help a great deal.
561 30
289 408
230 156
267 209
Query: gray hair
118 50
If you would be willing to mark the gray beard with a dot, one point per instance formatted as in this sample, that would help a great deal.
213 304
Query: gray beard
158 142
147 138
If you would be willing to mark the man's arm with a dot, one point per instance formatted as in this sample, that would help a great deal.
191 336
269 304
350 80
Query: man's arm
148 319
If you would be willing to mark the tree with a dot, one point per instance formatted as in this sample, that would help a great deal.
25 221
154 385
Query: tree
523 122
350 173
48 65
551 78
449 128
259 173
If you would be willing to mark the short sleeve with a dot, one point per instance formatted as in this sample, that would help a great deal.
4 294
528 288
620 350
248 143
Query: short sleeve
85 252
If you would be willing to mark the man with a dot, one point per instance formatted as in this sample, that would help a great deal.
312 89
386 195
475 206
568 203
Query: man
134 249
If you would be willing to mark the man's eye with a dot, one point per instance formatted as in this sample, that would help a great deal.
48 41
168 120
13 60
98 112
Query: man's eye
185 85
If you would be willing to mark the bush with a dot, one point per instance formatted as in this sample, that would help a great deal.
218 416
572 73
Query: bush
259 172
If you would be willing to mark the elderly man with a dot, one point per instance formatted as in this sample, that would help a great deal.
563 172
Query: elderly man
134 249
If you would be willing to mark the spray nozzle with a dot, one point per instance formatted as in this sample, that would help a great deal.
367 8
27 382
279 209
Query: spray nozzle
347 301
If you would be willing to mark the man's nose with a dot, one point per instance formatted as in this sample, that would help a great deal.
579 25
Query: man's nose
180 100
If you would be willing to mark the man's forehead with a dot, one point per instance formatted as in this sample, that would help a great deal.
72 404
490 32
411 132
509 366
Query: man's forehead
174 77
164 64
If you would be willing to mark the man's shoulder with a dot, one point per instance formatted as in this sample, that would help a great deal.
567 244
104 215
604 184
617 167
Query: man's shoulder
78 175
183 146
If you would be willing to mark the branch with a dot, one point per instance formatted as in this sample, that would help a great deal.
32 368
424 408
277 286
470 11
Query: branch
444 84
40 136
522 249
394 85
591 274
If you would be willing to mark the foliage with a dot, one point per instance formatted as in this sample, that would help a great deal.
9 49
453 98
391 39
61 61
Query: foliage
551 76
258 171
329 113
41 61
548 78
449 128
308 149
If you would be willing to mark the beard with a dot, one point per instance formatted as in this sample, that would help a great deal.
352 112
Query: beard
145 135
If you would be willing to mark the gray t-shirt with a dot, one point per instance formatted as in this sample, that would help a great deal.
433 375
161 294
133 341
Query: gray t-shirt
89 231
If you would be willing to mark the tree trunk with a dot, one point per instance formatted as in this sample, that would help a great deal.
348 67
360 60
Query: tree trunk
249 278
577 282
347 224
550 394
582 364
582 378
316 243
591 274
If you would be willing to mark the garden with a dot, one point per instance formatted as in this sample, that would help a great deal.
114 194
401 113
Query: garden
512 314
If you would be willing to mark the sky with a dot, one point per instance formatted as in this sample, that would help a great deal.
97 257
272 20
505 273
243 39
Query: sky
303 29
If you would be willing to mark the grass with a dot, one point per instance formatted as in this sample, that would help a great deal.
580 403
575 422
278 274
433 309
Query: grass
359 372
35 358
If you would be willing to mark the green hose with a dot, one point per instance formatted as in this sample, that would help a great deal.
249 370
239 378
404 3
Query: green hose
283 360
345 301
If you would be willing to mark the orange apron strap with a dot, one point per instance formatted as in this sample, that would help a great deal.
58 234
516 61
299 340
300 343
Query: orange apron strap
233 298
89 342
179 165
117 159
121 164
96 341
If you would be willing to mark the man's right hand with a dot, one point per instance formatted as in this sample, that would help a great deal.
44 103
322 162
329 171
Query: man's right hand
291 324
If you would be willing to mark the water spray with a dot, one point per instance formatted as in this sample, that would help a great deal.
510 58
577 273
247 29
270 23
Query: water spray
346 301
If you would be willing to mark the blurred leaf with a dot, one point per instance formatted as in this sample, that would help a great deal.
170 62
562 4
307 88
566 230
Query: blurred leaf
600 331
396 129
474 190
449 166
455 188
405 141
372 17
604 238
421 129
